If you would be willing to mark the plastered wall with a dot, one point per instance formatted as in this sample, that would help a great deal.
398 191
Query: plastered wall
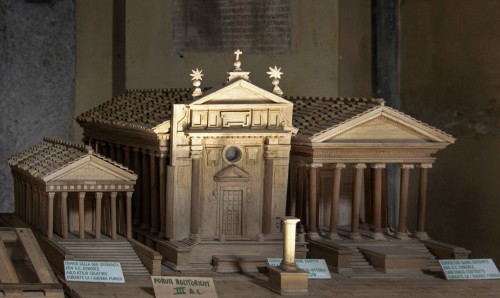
450 78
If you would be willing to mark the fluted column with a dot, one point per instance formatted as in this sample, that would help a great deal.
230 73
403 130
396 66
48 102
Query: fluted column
403 201
377 201
98 207
113 214
50 214
356 201
64 214
155 211
267 208
129 214
138 186
313 201
81 214
146 198
300 191
196 212
334 211
422 198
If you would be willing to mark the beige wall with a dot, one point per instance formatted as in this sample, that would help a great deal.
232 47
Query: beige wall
450 78
94 47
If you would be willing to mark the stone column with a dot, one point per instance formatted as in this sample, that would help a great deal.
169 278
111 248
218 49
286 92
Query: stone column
422 198
138 187
112 151
377 202
267 208
126 160
196 194
169 208
334 211
155 211
98 206
146 198
356 201
129 214
81 214
300 190
50 214
119 153
163 193
289 225
313 201
114 194
64 214
403 201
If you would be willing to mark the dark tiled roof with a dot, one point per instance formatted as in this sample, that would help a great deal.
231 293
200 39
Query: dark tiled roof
52 155
312 116
138 108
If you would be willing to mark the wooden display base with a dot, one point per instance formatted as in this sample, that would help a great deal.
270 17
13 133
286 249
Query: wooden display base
288 283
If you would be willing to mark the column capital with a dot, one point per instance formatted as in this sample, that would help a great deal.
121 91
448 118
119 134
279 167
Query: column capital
136 149
407 166
314 165
81 195
195 154
98 195
340 166
378 166
425 165
360 166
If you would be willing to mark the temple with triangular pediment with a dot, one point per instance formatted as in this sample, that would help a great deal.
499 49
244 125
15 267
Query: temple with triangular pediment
218 168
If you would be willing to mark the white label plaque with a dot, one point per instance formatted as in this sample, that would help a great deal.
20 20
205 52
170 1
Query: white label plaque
317 268
176 286
470 269
92 271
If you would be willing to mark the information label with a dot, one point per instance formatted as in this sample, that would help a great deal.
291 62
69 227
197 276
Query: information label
176 286
470 269
317 268
91 271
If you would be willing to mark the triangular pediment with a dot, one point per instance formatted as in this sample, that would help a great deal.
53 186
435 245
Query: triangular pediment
91 168
240 92
232 174
383 125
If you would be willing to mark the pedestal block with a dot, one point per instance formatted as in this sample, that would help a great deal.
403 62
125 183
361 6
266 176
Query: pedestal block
288 283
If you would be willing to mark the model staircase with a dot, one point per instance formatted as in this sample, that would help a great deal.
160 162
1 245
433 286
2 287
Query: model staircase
107 251
433 262
359 263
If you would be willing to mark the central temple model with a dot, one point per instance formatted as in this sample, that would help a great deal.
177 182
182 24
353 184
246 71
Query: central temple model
217 170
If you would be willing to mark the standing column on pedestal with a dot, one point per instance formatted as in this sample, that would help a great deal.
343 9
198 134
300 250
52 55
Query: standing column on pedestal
146 198
313 201
50 214
377 202
155 211
98 204
356 201
422 198
403 201
334 211
81 214
289 226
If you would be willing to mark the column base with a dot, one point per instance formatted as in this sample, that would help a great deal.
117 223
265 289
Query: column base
377 236
333 236
288 282
354 236
313 236
402 236
422 235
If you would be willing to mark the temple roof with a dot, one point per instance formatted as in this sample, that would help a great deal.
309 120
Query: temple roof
52 155
148 108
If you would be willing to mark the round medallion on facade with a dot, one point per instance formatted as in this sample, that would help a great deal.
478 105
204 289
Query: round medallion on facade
232 154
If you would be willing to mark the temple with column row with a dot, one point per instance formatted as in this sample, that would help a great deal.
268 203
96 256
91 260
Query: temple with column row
217 169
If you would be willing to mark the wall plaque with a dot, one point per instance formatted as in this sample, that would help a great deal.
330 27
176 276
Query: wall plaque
221 26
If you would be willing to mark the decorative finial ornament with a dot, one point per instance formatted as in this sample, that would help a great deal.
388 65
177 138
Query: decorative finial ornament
237 63
196 78
275 74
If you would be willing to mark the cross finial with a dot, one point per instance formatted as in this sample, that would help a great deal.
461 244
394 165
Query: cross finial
238 53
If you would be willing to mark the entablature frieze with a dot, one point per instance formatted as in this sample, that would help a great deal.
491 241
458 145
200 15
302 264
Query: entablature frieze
118 187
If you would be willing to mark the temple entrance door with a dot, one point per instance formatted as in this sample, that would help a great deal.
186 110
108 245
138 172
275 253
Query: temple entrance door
231 212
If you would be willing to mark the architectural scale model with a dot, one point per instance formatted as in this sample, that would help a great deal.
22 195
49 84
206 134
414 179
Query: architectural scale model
217 169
